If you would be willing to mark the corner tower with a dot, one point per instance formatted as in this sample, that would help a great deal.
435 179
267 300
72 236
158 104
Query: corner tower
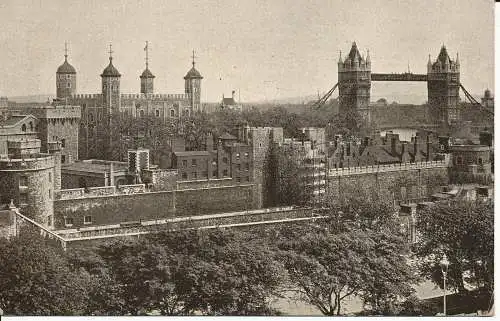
147 77
111 86
65 78
354 79
192 85
443 84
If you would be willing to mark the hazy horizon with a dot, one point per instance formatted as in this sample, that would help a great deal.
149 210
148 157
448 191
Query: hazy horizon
267 50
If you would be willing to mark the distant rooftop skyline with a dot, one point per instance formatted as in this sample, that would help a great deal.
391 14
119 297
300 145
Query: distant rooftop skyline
265 49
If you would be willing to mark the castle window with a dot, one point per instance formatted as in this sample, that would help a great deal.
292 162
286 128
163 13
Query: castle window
68 76
459 160
157 113
184 175
214 173
23 181
91 117
50 193
23 127
87 219
50 177
141 113
68 221
63 143
195 175
184 163
172 113
224 173
247 166
31 126
68 85
63 159
193 162
480 161
49 220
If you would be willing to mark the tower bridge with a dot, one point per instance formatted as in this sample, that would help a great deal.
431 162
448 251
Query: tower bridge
442 78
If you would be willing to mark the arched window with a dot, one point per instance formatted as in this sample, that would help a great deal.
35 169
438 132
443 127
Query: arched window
91 117
172 113
31 126
141 113
157 113
23 127
63 143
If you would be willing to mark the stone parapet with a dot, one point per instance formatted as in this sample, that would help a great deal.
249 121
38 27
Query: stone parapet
34 162
386 168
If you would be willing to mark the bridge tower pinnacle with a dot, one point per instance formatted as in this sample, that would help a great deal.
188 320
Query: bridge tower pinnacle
354 82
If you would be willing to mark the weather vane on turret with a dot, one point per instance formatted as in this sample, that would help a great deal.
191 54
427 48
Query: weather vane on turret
110 52
147 50
65 51
193 56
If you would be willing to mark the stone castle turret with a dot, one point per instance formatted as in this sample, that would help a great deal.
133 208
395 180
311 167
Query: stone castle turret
111 86
65 78
192 86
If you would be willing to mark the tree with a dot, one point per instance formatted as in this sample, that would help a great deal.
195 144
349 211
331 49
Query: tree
223 272
35 279
464 232
326 266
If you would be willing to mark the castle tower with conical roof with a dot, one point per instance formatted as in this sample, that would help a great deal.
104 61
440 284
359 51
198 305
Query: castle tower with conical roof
354 81
65 78
192 87
443 85
147 77
110 79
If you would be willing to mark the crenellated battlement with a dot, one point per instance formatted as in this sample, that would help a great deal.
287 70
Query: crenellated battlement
86 96
359 170
155 96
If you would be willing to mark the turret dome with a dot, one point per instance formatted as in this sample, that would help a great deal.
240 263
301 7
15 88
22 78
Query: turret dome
110 70
147 74
66 68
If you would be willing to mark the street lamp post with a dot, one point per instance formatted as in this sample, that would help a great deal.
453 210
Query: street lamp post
444 263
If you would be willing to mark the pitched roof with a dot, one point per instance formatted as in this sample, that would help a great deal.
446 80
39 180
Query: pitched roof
227 136
14 119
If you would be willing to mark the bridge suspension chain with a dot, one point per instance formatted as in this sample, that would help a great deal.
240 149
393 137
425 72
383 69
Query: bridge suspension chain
325 97
473 101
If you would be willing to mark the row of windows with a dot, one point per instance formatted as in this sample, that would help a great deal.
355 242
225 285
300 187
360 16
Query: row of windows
194 163
68 85
67 76
24 127
68 221
460 161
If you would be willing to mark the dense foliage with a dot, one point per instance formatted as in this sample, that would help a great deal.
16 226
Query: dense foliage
464 231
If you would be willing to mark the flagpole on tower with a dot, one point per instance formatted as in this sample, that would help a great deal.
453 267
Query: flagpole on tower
147 51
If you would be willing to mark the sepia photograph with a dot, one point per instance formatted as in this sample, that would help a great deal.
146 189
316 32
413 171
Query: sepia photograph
246 158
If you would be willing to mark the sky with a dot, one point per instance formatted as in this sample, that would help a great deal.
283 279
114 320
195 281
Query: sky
263 49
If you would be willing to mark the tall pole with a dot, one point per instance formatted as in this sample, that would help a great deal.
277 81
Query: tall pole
444 296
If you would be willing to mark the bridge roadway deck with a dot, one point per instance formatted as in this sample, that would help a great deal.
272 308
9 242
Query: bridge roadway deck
398 77
234 219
